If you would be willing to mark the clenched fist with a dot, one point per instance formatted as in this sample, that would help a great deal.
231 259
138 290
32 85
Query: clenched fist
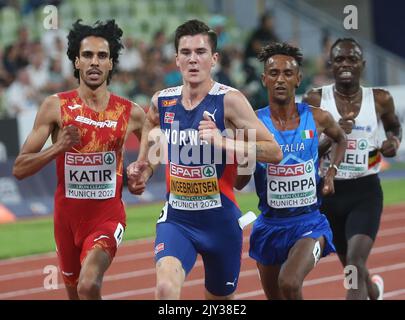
138 173
69 137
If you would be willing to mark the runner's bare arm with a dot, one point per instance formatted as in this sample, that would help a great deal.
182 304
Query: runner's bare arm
136 121
392 127
151 122
333 131
48 121
313 98
241 181
239 113
327 125
142 169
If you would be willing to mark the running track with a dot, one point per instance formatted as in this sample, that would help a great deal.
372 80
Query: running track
132 274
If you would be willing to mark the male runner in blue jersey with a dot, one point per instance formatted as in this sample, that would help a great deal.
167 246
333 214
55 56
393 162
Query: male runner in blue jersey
291 235
201 213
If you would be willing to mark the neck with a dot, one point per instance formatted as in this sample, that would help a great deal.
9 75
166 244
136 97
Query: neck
96 98
283 112
347 89
283 109
194 93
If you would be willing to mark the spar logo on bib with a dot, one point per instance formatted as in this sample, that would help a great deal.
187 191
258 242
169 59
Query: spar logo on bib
363 144
109 158
89 159
309 167
208 171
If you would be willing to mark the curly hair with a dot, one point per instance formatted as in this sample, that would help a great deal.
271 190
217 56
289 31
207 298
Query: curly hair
192 28
280 48
108 30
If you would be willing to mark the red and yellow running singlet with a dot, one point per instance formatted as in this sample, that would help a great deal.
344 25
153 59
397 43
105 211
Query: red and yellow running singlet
90 174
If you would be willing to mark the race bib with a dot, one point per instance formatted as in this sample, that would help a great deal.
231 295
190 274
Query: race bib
291 186
194 187
90 175
355 162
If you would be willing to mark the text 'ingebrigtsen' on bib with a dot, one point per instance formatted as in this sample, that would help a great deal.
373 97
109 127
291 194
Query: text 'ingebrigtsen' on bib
194 187
90 175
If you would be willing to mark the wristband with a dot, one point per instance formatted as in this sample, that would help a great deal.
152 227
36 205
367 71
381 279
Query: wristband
397 141
334 166
150 166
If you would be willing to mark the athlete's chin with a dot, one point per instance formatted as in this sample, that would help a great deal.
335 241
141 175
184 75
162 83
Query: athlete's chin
93 84
281 99
345 80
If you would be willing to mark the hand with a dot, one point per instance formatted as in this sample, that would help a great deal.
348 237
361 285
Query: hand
208 131
328 183
347 122
390 146
138 173
69 137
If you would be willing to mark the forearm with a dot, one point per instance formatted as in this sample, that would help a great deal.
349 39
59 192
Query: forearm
147 140
30 163
324 146
241 181
338 151
263 151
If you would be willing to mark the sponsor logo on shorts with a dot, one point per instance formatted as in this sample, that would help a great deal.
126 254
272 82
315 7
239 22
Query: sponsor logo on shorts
231 283
101 237
67 274
159 247
306 233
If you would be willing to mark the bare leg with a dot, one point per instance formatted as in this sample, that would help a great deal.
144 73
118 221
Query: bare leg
300 262
94 266
170 277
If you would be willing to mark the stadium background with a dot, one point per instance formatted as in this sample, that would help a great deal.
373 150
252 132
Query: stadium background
33 64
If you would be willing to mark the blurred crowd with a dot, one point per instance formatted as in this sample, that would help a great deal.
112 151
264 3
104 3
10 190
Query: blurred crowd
31 69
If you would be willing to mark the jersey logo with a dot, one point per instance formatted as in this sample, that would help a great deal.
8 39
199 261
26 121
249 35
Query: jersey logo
169 117
211 115
75 106
100 124
307 134
169 103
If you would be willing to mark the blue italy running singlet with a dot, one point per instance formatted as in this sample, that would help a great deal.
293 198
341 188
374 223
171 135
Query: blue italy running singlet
290 188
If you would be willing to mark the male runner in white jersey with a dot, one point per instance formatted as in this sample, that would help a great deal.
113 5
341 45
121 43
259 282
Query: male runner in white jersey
354 210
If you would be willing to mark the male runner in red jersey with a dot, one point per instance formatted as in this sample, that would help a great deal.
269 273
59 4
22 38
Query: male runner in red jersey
89 126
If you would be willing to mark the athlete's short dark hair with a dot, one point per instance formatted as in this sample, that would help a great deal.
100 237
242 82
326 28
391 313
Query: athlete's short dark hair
282 48
108 30
192 28
339 40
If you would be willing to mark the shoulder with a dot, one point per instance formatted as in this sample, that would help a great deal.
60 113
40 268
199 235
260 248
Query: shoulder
169 92
321 116
382 96
136 109
313 97
52 101
234 97
50 109
155 98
